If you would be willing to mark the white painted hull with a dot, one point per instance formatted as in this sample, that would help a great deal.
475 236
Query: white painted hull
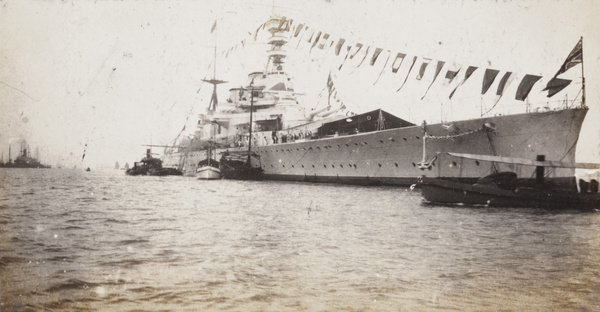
208 173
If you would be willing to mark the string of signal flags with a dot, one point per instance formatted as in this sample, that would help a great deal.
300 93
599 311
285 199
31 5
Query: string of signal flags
357 54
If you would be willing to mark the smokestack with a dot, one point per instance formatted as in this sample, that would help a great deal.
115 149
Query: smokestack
539 170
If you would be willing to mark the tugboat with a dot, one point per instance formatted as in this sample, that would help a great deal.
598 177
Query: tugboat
504 189
151 166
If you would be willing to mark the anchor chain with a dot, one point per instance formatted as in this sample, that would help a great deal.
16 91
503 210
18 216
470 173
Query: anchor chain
428 164
452 136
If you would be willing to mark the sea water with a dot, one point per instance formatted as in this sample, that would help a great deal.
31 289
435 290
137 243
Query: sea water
72 240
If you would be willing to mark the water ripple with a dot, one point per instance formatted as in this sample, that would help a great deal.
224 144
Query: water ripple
103 241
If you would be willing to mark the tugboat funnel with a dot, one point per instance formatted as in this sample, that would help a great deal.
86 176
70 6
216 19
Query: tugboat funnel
539 170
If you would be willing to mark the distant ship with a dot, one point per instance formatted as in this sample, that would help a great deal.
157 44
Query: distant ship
375 147
23 160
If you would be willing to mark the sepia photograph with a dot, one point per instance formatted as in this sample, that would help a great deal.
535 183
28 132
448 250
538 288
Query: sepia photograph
308 155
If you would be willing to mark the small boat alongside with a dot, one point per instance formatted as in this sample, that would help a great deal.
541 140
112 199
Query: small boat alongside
504 189
243 165
208 169
238 166
208 172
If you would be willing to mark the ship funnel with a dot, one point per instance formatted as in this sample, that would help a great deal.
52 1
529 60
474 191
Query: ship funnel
539 170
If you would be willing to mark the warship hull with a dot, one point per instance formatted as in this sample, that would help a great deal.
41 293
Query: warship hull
399 156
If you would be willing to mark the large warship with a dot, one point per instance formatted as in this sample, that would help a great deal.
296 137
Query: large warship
289 142
23 160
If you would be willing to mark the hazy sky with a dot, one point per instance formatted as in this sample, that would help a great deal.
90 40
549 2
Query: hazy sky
118 74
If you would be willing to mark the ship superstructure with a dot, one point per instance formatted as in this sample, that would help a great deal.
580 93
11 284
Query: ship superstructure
226 124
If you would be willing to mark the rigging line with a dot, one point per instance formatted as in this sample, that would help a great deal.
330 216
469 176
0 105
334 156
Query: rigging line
574 99
320 94
489 110
192 106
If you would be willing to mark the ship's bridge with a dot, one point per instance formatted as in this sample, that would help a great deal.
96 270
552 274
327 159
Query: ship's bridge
278 39
277 52
276 23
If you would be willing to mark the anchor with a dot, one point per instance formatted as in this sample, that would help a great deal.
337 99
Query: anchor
424 163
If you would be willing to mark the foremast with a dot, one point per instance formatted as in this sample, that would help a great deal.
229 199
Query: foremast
278 27
582 77
214 100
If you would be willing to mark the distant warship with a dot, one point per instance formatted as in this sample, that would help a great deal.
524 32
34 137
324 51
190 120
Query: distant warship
24 160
